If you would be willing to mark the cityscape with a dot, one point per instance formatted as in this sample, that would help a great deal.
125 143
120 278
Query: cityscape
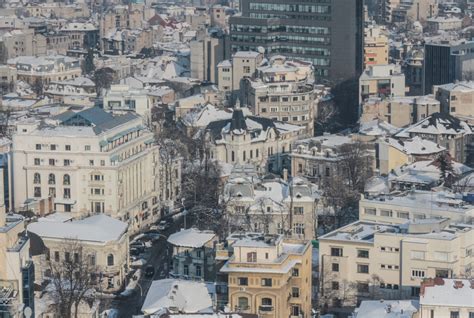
236 158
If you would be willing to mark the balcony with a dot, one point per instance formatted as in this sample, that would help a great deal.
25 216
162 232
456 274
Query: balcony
265 308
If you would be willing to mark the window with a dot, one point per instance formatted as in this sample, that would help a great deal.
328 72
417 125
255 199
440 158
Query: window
67 162
298 210
363 268
91 162
298 228
56 256
37 192
370 211
252 257
52 192
92 260
110 260
267 282
243 303
335 267
37 161
246 69
87 148
442 273
68 147
403 215
66 179
110 282
186 270
441 256
243 281
362 254
335 285
38 146
454 314
417 273
67 193
387 213
67 256
36 178
295 310
198 270
198 253
52 162
266 302
52 147
295 292
415 292
336 251
295 272
76 257
51 179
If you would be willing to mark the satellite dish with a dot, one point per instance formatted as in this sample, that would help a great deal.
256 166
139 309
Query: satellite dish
261 50
27 312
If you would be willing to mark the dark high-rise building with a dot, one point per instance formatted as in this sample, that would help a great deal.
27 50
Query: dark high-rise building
328 33
446 62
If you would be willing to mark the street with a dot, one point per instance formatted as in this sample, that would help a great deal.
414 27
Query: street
129 306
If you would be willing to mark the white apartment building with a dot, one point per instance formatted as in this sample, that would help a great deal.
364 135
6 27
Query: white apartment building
271 205
251 139
368 260
76 91
414 205
122 99
381 81
91 162
283 90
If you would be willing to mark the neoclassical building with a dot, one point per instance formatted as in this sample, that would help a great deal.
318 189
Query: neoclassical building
92 162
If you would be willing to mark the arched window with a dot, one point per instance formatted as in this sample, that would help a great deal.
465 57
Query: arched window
267 303
51 179
37 178
110 260
233 156
243 303
66 179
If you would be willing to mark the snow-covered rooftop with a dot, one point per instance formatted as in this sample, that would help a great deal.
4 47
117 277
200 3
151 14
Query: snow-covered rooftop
415 146
179 296
191 238
387 309
448 292
97 228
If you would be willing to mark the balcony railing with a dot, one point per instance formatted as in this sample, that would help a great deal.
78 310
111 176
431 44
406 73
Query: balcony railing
265 308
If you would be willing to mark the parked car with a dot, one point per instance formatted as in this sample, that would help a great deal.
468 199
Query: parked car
163 225
149 271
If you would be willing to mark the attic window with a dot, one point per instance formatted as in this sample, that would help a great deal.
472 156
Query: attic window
239 195
298 195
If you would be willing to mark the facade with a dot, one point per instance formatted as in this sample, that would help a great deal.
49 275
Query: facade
405 11
283 90
268 275
366 260
251 139
447 62
46 69
414 71
76 91
397 208
22 42
16 267
206 54
329 34
443 297
92 162
272 206
103 240
456 99
193 254
440 23
382 81
375 46
400 111
123 99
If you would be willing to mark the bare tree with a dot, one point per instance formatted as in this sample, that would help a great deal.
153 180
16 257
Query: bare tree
72 279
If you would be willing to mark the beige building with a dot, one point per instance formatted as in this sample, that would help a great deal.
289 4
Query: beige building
283 90
16 268
58 10
382 81
76 91
103 240
22 42
46 69
93 162
268 275
415 205
399 111
442 297
121 17
250 139
218 17
375 46
456 99
206 53
393 153
367 260
231 72
271 206
400 11
444 23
